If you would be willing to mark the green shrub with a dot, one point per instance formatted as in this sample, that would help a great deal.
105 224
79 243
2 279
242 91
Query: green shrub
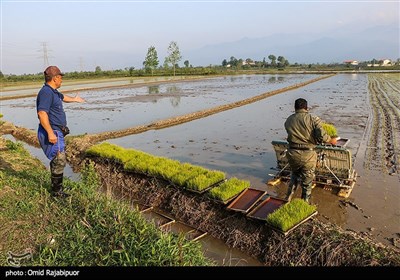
14 146
330 129
290 214
228 189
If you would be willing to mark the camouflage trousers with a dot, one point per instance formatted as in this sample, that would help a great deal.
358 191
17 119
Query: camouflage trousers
302 164
58 163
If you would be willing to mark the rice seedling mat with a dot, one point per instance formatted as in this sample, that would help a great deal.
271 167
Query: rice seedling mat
207 188
285 233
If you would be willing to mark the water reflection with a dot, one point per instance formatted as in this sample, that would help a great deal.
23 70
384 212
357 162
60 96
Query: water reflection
175 101
172 89
153 89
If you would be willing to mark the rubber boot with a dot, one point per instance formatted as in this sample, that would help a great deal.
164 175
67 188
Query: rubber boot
57 186
291 190
306 197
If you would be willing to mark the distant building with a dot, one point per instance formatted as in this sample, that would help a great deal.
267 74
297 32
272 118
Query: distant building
385 62
382 62
351 62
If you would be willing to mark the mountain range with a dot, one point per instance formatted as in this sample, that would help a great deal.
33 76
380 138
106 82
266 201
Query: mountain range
376 42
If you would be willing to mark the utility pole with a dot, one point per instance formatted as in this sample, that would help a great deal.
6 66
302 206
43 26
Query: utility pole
81 64
45 54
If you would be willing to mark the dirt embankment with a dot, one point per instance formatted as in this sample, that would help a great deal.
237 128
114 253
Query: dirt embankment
312 244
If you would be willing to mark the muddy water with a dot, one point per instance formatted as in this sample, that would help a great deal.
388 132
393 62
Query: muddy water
213 248
238 143
119 108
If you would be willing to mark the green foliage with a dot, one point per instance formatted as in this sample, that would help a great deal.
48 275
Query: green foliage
88 229
228 189
180 174
151 60
290 214
14 146
174 54
330 129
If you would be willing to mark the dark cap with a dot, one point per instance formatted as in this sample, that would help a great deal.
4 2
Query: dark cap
300 103
52 71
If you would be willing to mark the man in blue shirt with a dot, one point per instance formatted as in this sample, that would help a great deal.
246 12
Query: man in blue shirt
53 126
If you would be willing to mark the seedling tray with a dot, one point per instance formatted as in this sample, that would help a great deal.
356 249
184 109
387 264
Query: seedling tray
266 207
159 219
342 142
195 234
246 200
293 227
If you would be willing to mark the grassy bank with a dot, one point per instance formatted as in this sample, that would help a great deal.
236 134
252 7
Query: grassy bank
87 229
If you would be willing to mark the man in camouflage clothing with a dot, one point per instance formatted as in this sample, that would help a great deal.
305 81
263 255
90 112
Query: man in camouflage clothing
304 133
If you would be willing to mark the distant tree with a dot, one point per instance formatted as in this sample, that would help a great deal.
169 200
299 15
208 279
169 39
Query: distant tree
151 60
98 69
282 62
264 63
1 75
249 61
224 63
131 69
186 63
174 54
233 62
239 63
273 60
166 63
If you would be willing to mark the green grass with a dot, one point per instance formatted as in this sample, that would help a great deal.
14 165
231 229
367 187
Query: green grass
228 189
87 229
330 129
290 214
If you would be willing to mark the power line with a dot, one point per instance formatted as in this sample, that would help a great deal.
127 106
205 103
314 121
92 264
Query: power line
45 54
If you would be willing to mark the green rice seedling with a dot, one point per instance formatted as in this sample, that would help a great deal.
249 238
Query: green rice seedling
168 168
290 214
187 172
330 129
228 189
106 150
205 180
179 179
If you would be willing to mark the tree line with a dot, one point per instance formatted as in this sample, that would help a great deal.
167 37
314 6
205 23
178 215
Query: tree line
151 66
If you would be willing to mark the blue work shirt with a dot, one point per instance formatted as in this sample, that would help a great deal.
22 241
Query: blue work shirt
50 101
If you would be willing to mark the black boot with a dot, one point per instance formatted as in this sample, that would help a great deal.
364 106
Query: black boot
57 186
306 197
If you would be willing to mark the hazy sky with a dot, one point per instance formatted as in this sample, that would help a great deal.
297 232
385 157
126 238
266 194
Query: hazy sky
80 35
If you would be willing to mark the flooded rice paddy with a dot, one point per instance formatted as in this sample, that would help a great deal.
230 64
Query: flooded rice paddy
119 108
238 141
